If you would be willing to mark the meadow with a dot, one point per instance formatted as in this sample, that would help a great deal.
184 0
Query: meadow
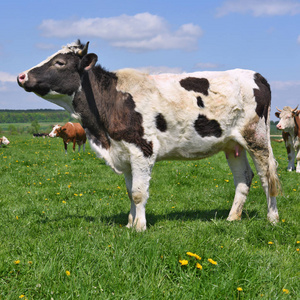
63 234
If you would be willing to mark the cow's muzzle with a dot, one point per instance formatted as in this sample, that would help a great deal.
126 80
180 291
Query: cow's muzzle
22 79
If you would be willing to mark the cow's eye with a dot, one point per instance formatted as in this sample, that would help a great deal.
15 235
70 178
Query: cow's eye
59 63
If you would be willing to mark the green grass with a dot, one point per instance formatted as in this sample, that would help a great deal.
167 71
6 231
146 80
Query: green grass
63 213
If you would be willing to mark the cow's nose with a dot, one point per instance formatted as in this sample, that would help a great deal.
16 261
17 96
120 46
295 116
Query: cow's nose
278 126
21 78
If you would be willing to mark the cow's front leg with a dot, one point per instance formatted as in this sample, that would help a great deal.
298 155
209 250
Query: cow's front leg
298 161
291 157
74 144
66 147
137 183
242 175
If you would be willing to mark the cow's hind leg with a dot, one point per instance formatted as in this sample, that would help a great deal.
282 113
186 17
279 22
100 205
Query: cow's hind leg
260 149
137 183
242 174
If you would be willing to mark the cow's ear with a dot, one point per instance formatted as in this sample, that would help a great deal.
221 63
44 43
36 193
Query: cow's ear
88 61
277 114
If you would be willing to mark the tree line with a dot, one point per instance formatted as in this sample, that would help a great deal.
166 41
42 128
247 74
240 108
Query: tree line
40 115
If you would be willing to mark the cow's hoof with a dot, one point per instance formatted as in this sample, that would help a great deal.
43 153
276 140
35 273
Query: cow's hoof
234 217
273 218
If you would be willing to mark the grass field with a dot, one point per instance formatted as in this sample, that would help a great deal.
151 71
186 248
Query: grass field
63 234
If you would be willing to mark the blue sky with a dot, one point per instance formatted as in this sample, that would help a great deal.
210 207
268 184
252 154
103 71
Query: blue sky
157 36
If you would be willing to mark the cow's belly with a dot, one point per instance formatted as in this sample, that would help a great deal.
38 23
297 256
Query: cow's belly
196 148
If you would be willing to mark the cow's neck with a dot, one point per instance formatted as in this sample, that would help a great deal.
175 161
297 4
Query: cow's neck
109 113
297 126
89 102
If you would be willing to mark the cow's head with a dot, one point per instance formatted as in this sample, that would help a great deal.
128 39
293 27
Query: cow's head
57 78
286 116
5 141
55 131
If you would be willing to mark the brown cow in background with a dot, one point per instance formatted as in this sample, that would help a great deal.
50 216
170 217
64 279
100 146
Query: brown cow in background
290 125
70 132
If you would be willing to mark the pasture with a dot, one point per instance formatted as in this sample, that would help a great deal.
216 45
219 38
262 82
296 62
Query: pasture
63 234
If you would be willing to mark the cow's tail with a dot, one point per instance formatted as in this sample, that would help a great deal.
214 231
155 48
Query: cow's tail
274 182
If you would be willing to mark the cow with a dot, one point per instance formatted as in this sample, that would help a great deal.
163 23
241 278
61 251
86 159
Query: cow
70 132
43 135
290 125
4 141
133 119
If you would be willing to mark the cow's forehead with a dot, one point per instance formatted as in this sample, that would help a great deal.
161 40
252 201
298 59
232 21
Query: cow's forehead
286 111
70 48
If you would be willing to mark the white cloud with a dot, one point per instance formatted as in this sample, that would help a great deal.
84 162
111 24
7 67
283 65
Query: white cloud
6 77
260 7
140 32
207 66
44 46
160 70
282 85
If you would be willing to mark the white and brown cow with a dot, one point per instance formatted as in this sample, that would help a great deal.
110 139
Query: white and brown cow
4 141
134 119
290 125
70 132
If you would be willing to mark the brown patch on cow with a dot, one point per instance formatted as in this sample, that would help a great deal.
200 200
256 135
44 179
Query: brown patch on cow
206 127
200 102
199 85
161 123
262 96
256 144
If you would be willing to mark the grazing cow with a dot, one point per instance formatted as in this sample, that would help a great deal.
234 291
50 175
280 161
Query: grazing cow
290 125
134 119
43 135
4 141
70 132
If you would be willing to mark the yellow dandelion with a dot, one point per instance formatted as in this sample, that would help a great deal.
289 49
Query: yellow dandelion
198 266
226 180
68 273
193 255
30 262
183 262
239 289
283 220
212 261
286 291
270 243
298 242
17 262
297 249
17 217
21 296
64 201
